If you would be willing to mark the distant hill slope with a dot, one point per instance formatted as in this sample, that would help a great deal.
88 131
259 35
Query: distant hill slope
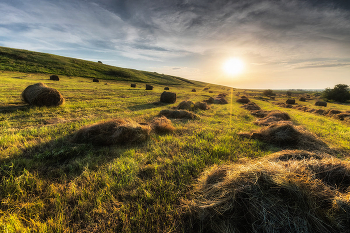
35 62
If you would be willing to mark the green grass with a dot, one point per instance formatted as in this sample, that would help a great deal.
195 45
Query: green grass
49 184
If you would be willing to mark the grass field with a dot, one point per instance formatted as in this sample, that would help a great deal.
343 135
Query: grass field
50 184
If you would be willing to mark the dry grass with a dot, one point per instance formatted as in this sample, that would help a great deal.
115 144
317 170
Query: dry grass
186 104
117 131
292 191
41 95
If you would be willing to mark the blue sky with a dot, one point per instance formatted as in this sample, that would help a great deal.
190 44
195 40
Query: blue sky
283 43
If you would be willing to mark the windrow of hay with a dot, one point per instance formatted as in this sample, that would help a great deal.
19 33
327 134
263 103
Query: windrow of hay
180 114
117 131
343 116
251 106
41 95
292 191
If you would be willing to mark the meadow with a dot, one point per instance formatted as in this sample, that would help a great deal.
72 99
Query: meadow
50 184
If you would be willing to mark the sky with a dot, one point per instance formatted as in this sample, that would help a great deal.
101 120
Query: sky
284 44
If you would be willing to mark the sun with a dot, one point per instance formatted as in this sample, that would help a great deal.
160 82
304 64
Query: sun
233 66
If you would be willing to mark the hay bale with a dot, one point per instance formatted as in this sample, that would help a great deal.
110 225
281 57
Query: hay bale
96 80
290 101
201 105
211 92
132 85
268 197
100 62
166 88
54 77
162 125
321 103
41 95
193 90
117 131
168 97
243 100
179 114
149 87
302 99
251 106
187 105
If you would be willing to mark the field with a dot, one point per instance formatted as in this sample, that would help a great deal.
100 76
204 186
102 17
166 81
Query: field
50 184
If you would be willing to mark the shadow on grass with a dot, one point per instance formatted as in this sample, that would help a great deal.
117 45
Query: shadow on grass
14 108
147 106
61 160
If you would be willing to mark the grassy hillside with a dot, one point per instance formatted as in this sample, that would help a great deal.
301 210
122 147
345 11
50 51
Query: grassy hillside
34 62
51 184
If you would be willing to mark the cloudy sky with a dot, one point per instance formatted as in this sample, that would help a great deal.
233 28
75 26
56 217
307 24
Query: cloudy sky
283 43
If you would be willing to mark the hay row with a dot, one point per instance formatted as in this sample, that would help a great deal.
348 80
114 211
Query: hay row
337 114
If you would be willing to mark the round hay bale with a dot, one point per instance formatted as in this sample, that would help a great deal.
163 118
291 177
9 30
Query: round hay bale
117 131
166 88
96 80
201 105
168 97
321 103
187 105
149 87
132 85
243 100
54 77
290 101
162 125
302 99
180 114
41 95
193 90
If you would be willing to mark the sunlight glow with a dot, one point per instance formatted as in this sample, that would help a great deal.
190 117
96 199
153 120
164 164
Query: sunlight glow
233 66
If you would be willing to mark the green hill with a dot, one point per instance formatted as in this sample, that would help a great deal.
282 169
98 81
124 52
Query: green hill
35 62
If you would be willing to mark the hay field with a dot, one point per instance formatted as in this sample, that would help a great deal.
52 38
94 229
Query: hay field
51 184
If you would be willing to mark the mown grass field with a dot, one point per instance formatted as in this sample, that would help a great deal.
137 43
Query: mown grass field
50 184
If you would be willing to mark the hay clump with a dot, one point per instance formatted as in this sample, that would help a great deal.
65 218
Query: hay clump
168 97
54 77
342 116
132 85
259 113
210 100
285 134
332 112
302 99
96 80
41 95
180 114
201 106
117 131
273 117
162 125
187 105
194 90
294 155
251 106
261 197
